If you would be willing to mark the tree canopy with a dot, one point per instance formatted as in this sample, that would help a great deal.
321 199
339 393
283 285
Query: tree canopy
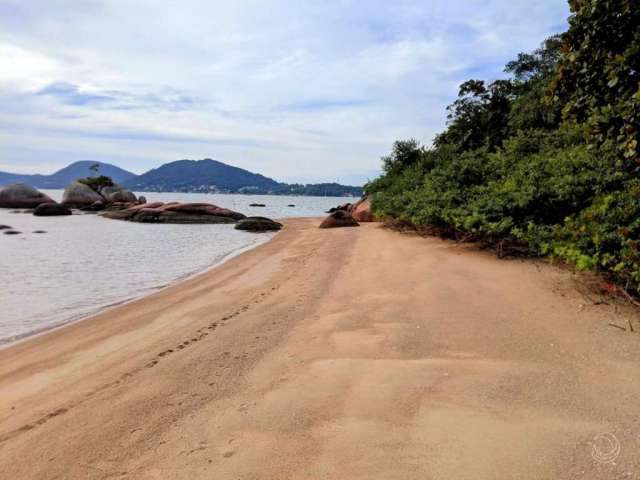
544 161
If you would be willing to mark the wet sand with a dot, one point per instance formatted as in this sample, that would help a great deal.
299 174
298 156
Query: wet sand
337 354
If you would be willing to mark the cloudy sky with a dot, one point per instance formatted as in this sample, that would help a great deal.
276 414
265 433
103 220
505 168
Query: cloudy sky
297 90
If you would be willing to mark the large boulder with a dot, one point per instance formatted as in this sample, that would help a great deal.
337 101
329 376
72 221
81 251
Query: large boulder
79 195
51 210
175 213
258 224
339 218
116 193
361 211
20 195
204 209
95 206
344 207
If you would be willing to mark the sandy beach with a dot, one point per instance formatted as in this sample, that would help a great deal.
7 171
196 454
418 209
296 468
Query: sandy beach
353 353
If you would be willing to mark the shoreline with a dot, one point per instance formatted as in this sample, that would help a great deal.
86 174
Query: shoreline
7 342
339 353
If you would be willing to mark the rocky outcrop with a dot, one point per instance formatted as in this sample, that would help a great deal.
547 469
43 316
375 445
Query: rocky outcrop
174 213
20 195
345 207
339 218
79 195
82 196
51 210
118 194
95 206
361 211
258 224
5 227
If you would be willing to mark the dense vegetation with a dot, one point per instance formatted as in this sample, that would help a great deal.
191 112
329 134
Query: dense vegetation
544 162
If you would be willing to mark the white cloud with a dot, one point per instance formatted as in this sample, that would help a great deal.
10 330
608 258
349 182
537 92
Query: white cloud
291 89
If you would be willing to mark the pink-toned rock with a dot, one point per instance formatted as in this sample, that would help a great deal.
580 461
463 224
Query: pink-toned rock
137 208
202 209
361 211
175 212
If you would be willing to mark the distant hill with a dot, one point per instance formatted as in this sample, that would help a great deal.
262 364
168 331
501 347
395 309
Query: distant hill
214 176
206 175
65 176
210 176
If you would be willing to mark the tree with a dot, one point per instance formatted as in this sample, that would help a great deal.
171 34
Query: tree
479 117
405 153
598 78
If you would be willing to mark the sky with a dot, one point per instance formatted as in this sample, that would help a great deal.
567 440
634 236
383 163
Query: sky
297 90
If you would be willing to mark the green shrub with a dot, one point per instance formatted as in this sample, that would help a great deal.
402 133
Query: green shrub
97 182
545 162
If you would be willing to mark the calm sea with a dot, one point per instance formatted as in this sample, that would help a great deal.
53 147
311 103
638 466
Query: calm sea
85 263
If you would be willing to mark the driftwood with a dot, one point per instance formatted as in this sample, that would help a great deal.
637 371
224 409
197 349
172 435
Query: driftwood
617 326
629 297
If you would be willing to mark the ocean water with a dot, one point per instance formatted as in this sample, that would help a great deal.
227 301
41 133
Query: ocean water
85 263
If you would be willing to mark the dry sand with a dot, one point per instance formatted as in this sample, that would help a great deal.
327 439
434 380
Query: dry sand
334 354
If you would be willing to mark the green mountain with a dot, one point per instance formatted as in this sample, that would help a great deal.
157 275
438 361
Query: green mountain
214 176
182 176
68 174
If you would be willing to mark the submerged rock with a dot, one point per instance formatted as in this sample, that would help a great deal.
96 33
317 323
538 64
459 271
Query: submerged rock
5 227
339 218
20 195
12 232
258 224
257 205
50 210
39 231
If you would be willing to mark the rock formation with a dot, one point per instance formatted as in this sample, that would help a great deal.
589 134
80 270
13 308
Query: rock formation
20 195
361 210
117 194
50 210
258 224
339 218
173 212
79 195
92 198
